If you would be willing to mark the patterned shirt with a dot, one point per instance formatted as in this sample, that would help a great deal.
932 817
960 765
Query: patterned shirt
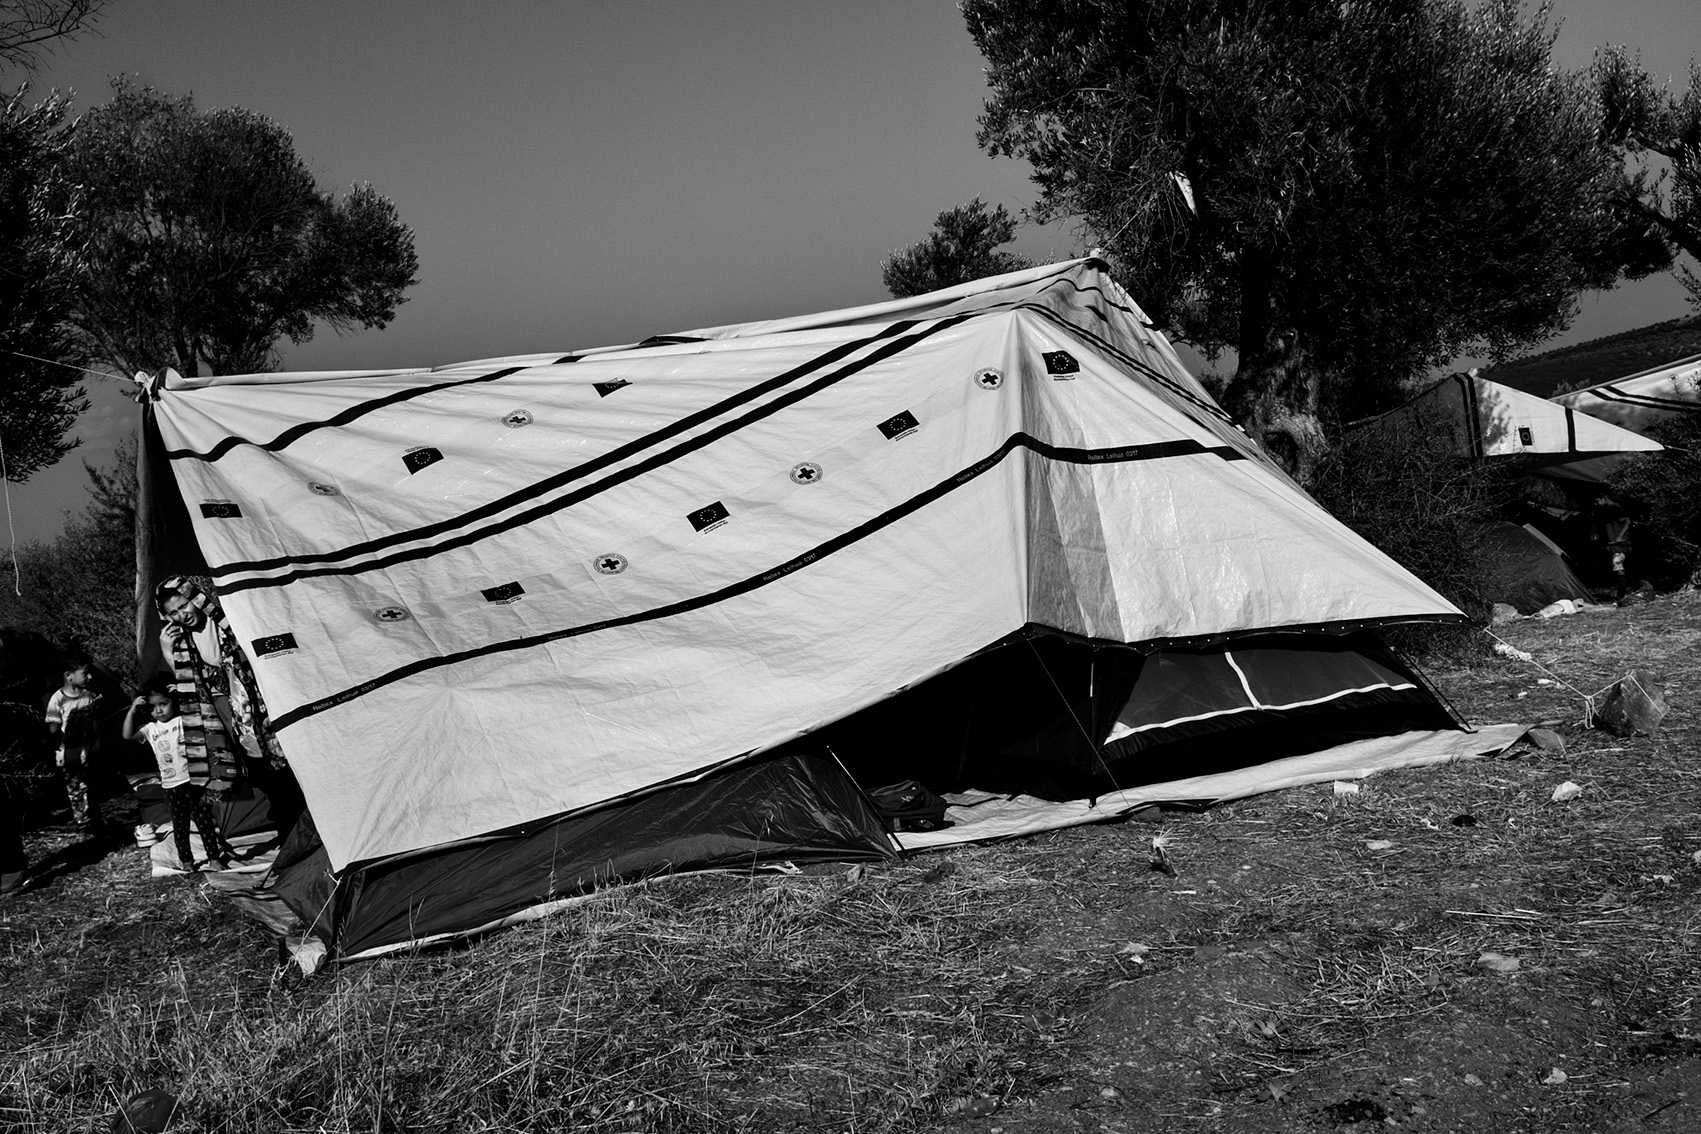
166 739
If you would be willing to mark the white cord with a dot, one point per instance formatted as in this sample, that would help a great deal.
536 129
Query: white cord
1588 698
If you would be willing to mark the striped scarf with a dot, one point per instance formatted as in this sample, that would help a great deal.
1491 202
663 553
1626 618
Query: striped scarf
213 754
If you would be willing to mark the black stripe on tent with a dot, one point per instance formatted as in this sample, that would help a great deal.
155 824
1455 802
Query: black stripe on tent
1570 430
1648 401
1134 363
567 476
1161 450
654 461
1473 414
1190 641
296 432
492 508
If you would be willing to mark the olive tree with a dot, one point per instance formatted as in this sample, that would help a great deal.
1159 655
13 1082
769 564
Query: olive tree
201 239
1343 194
966 244
1659 131
40 381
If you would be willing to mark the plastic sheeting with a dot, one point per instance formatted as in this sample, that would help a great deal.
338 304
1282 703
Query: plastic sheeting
485 595
981 816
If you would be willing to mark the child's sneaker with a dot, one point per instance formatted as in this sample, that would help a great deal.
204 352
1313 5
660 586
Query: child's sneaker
146 835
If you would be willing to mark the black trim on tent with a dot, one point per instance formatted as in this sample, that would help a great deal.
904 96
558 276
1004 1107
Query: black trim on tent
1473 414
1570 429
613 456
784 808
1130 361
649 464
669 340
1028 714
1645 401
301 429
673 429
1125 454
1024 715
1332 629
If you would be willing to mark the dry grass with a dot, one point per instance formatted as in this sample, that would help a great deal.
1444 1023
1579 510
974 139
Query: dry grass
851 999
923 993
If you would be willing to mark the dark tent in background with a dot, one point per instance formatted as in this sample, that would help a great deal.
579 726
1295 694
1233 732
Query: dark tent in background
1528 570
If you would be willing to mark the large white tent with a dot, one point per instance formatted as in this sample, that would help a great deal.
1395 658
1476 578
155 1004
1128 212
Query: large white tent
488 598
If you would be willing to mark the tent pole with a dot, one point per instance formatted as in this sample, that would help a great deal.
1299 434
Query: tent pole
1093 745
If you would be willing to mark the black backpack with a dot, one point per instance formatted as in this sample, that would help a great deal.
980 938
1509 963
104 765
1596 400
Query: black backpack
908 806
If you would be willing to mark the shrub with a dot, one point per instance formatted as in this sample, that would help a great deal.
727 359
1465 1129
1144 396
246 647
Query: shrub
1662 492
1406 490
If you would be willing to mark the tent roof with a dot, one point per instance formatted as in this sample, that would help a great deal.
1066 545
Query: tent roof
483 595
1639 401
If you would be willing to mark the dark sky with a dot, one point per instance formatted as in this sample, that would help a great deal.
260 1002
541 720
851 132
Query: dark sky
585 173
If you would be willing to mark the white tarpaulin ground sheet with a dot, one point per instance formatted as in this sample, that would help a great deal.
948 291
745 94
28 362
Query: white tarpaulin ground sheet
482 595
978 816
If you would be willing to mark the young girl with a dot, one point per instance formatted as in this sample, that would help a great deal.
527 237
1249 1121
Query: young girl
184 781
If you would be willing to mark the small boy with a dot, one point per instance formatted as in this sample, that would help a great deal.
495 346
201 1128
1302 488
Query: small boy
164 734
71 723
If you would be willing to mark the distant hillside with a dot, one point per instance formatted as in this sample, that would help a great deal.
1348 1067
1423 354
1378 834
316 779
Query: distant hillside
1601 360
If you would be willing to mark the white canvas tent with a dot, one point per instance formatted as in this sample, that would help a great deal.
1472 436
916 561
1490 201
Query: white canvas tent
1480 418
1639 401
507 607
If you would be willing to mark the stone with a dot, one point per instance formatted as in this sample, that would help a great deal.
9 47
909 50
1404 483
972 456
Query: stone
1505 612
1633 704
1546 739
150 1112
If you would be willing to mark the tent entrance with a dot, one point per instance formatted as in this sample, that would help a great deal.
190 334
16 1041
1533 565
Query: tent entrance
1050 719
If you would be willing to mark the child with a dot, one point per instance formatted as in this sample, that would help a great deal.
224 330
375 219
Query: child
71 723
184 782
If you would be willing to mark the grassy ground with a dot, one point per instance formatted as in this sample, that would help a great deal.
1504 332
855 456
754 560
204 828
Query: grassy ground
1445 949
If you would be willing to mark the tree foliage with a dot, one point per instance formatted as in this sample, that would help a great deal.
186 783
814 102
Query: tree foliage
28 26
79 589
202 239
1346 194
1645 121
965 245
40 397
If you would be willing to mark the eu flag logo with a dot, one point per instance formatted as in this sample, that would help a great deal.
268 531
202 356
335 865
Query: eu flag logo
425 457
273 644
711 516
1060 362
899 425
